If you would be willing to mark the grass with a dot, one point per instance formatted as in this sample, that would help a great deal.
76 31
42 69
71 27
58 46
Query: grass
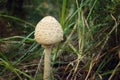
80 56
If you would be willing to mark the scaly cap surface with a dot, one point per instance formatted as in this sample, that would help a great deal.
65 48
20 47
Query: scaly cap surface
48 31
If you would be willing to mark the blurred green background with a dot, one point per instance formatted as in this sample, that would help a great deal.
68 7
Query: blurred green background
90 49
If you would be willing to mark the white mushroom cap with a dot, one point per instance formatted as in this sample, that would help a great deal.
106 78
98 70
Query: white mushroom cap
48 31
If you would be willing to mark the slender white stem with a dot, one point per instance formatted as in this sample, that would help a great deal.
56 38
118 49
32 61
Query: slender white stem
47 61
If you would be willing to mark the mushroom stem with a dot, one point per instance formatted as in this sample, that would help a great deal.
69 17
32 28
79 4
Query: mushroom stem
47 61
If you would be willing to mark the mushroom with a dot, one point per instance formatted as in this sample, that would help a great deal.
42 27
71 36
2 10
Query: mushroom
48 32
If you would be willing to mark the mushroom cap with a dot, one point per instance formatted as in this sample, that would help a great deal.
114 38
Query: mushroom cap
48 31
